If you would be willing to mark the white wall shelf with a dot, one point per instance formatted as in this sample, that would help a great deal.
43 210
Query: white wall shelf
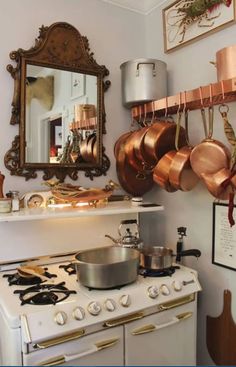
53 213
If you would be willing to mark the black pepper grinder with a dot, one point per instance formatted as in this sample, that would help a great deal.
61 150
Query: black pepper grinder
180 242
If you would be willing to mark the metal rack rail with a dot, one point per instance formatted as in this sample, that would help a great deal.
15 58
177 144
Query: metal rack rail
211 94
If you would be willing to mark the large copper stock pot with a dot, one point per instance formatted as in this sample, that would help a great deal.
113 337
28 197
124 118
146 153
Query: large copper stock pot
226 63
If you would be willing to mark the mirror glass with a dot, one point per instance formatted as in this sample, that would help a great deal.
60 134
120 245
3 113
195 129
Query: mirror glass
58 102
61 111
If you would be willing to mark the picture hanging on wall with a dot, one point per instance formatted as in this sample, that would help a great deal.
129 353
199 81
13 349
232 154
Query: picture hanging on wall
77 85
224 237
185 21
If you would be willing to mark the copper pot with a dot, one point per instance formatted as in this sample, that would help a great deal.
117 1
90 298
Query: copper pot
162 169
160 138
210 155
214 183
226 63
130 179
181 175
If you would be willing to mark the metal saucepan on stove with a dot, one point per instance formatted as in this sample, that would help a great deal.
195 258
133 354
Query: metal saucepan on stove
159 258
107 267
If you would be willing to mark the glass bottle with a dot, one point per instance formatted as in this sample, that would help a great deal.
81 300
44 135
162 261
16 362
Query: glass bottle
15 201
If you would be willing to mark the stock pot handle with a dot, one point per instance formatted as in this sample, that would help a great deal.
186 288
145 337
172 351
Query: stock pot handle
153 327
146 63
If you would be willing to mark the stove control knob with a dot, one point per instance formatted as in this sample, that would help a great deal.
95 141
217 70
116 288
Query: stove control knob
153 291
125 300
165 290
78 313
94 308
177 285
60 318
110 305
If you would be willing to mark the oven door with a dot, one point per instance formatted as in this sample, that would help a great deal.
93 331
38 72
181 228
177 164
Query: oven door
104 348
166 338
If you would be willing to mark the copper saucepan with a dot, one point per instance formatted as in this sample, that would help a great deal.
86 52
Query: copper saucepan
162 169
210 155
181 175
159 139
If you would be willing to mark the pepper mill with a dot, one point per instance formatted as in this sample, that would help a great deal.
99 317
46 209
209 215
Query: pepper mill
2 177
179 246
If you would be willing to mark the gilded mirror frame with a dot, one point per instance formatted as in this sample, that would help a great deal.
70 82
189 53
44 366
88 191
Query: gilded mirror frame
59 46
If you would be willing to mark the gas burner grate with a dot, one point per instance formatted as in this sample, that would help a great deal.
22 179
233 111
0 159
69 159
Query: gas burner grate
44 294
158 273
17 279
69 268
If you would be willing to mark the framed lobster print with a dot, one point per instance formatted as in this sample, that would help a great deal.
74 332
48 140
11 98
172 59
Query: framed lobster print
185 21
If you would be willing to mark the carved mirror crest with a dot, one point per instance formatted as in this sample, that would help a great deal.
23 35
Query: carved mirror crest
58 103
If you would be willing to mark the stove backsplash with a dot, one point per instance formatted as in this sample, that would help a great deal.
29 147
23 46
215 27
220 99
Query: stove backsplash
55 236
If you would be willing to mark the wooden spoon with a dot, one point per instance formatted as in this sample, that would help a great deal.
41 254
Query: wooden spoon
32 271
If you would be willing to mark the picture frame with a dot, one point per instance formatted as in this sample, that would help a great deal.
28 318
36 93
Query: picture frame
77 85
181 26
223 238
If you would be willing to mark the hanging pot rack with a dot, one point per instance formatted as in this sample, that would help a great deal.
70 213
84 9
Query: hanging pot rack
204 96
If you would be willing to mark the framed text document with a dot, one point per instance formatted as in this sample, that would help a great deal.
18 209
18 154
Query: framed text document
224 238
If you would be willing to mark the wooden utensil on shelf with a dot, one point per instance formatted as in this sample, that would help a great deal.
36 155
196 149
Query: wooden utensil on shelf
221 335
2 177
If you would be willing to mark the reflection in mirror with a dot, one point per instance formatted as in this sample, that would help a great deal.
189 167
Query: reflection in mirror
58 102
60 116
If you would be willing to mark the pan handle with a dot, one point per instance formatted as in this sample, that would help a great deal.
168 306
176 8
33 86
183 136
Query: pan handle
192 252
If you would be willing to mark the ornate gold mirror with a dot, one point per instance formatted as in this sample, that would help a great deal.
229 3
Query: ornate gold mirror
58 103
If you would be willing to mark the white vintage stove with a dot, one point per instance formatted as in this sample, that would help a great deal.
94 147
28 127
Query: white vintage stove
149 322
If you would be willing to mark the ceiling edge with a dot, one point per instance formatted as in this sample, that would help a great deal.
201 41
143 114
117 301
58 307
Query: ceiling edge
125 7
155 7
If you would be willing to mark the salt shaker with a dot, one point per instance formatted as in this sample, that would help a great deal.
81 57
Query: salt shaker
15 201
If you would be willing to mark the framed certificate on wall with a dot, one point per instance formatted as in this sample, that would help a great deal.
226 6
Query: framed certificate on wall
224 238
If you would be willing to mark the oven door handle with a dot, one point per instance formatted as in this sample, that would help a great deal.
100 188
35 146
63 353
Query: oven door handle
70 357
152 327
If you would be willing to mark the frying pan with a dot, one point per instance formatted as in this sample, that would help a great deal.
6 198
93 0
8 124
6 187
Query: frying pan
139 149
210 155
119 142
129 178
130 153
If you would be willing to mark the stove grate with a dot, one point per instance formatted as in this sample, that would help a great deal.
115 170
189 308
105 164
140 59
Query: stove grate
69 268
157 273
17 279
44 294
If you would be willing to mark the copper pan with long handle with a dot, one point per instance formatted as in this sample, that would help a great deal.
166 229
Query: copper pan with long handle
162 169
160 138
181 175
210 155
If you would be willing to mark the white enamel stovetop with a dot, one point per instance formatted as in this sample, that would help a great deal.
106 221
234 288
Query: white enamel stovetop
43 320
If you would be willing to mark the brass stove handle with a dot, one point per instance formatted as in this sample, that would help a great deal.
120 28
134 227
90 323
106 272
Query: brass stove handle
177 303
124 320
152 327
60 339
69 357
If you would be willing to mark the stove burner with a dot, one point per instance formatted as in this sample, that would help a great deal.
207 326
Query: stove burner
44 294
158 273
69 268
16 279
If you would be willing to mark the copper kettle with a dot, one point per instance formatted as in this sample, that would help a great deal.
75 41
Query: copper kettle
127 239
